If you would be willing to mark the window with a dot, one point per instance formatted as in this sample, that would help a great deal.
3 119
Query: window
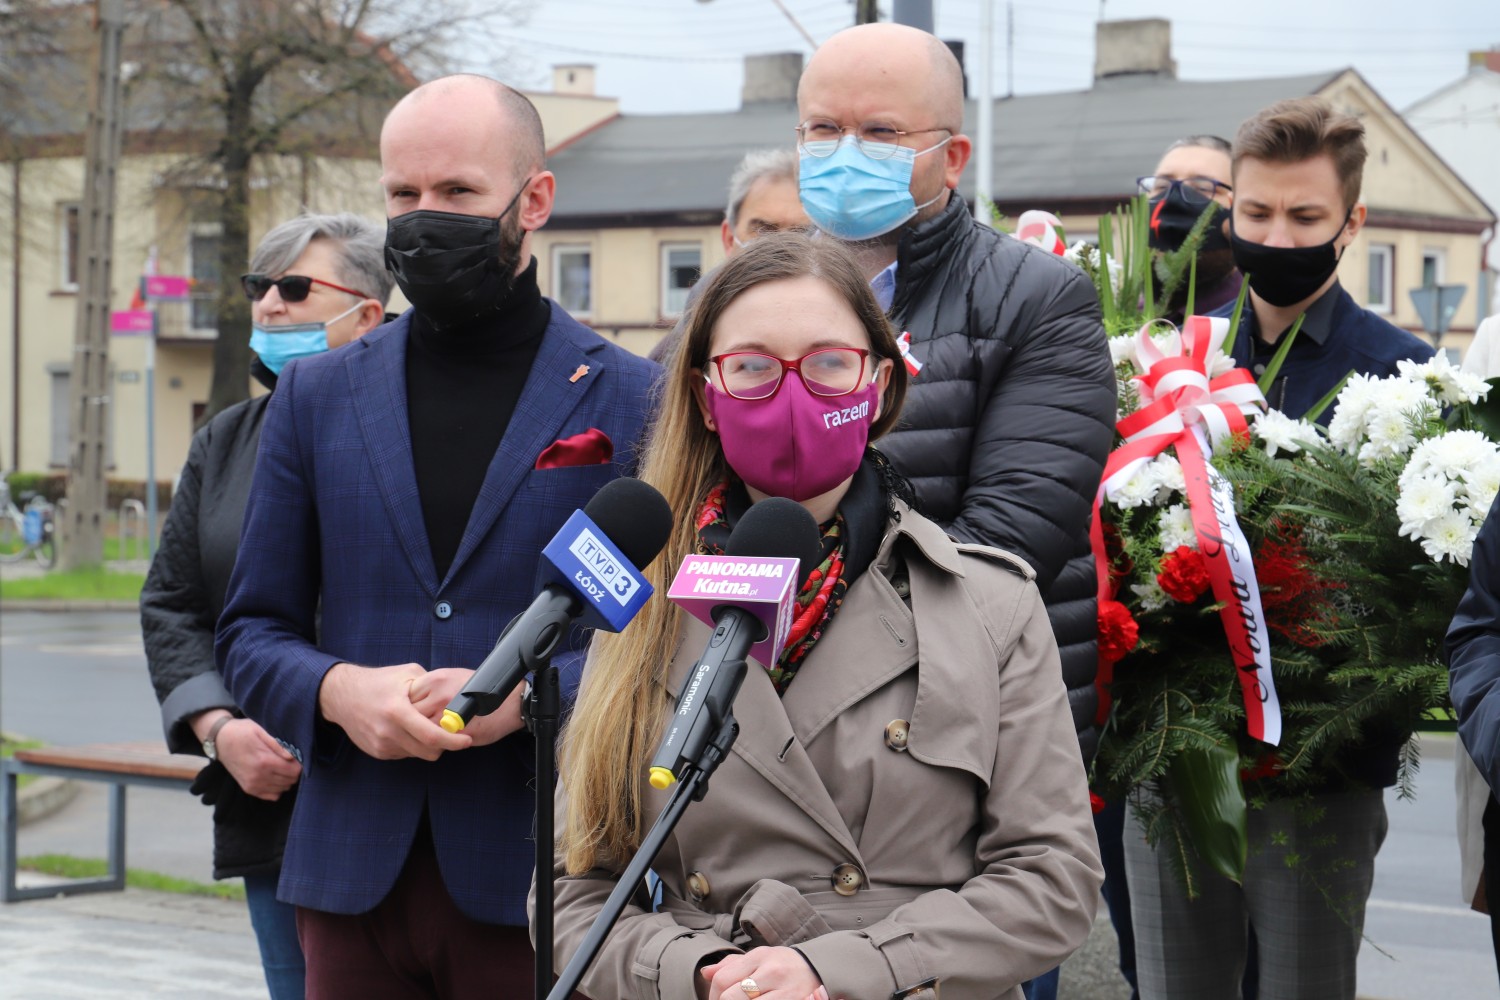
681 263
572 279
1433 261
68 246
1382 257
203 268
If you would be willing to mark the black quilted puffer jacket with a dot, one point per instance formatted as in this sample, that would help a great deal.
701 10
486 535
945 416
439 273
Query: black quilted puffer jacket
1005 431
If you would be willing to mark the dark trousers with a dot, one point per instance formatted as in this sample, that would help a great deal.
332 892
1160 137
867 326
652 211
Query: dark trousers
1492 870
415 945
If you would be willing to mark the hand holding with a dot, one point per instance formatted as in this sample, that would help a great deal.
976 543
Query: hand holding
778 974
262 767
374 707
431 693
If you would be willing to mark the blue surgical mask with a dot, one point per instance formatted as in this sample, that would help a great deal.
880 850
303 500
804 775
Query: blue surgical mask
852 197
276 345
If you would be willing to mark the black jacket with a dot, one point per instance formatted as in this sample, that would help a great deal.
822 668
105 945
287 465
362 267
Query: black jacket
1005 430
180 605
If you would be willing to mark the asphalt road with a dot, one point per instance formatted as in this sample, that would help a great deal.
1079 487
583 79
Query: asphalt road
81 678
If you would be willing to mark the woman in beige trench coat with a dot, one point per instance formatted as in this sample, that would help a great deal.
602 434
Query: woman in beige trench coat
911 814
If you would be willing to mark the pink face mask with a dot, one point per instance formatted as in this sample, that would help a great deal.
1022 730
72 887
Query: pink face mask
795 444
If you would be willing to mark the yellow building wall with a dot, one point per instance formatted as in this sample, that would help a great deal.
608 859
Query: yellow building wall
627 276
564 116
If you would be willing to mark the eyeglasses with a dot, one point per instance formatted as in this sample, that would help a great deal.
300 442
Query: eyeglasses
820 137
1204 187
834 371
292 287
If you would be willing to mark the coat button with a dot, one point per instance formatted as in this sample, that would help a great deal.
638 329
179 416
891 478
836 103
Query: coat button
896 735
698 886
847 879
443 610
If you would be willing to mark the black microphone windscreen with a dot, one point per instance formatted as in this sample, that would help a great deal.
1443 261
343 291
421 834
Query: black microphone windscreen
777 528
634 516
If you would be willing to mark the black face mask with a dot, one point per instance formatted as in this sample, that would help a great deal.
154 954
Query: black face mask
1174 215
1284 276
453 268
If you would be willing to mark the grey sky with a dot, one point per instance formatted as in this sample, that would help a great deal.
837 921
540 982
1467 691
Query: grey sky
685 55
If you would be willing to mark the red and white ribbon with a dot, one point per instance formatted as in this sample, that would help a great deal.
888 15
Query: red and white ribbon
1041 229
1182 408
913 366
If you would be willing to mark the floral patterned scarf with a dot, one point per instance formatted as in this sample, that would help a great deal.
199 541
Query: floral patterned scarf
821 595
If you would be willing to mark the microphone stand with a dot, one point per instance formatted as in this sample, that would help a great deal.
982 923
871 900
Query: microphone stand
690 788
545 705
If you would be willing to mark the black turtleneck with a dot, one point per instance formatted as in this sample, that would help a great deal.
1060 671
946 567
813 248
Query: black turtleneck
462 385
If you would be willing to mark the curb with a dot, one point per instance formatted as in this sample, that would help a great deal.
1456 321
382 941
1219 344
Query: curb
68 605
43 797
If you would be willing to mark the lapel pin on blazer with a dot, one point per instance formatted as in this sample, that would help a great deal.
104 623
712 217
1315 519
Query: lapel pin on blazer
579 373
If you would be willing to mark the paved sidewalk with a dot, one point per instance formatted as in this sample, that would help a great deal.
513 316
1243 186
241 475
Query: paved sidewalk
131 944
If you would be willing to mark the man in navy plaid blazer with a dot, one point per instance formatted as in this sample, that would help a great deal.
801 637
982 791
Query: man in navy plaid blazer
403 491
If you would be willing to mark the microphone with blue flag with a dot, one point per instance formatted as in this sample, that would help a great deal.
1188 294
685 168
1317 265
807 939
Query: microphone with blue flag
590 573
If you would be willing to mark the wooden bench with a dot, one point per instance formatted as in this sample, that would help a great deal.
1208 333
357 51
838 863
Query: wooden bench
116 764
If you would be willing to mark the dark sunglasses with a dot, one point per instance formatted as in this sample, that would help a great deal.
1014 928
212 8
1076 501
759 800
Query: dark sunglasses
291 287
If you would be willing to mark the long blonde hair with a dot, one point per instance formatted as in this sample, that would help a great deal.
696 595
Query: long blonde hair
622 705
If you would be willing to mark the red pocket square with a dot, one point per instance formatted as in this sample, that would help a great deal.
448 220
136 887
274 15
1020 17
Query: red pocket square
592 447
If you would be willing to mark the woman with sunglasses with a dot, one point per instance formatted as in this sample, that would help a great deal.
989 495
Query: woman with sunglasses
303 301
904 807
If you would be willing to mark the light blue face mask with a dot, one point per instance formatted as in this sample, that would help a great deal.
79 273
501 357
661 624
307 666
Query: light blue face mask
851 196
276 345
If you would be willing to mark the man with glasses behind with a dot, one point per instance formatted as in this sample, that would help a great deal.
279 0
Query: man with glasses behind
1011 411
318 282
1193 174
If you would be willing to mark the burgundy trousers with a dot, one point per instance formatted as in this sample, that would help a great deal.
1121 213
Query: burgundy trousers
415 945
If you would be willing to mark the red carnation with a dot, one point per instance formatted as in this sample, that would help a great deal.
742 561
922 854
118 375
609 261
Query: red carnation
1184 575
1118 631
1293 595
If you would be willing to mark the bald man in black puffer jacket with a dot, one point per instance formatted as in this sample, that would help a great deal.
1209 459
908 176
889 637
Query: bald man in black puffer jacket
1005 430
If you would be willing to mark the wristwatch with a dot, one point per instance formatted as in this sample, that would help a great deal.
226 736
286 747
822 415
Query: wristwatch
210 749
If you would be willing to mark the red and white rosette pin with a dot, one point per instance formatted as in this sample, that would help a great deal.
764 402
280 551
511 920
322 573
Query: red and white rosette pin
913 366
1184 409
1041 229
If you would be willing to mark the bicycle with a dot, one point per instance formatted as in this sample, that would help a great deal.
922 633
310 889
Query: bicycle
30 531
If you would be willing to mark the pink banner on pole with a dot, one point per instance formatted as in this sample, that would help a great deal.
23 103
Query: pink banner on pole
131 321
166 286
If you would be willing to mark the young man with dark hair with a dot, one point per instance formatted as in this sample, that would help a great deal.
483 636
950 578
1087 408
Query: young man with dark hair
1298 166
1297 172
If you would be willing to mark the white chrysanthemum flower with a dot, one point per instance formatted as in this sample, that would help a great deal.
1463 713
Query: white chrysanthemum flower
1456 453
1467 388
1478 502
1423 499
1177 529
1482 483
1445 380
1281 433
1403 394
1450 537
1347 428
1389 435
1169 477
1122 350
1220 364
1138 491
1151 596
